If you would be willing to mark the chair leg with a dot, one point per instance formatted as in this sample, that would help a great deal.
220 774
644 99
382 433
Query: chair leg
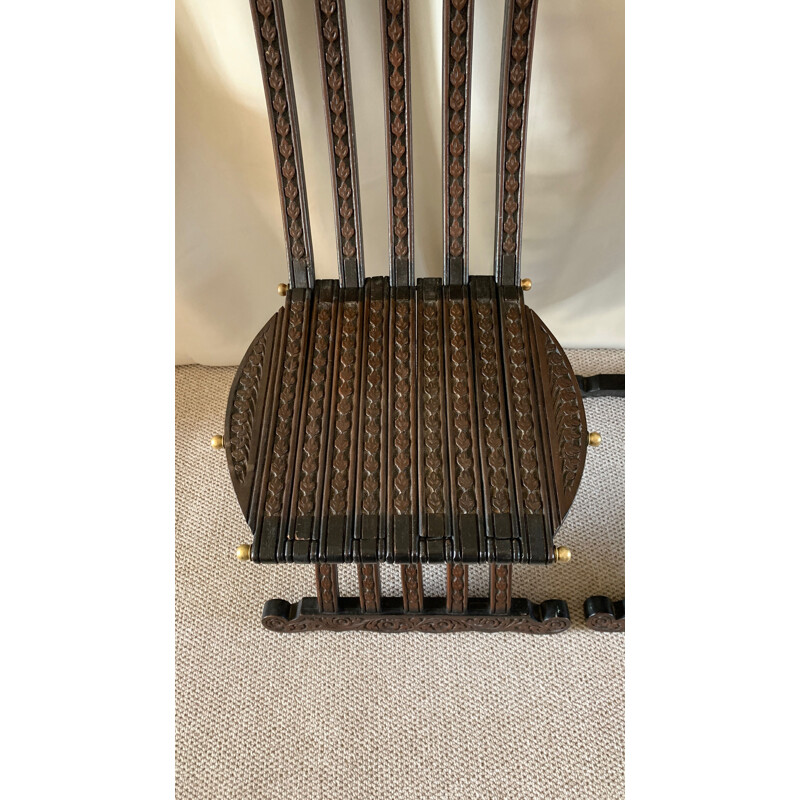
328 588
457 596
413 599
369 587
603 614
500 589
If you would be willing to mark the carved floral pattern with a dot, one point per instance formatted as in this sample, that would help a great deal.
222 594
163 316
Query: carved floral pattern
402 479
244 406
518 356
431 384
283 429
284 136
368 582
337 89
456 97
490 400
411 575
457 588
567 410
523 14
395 44
326 580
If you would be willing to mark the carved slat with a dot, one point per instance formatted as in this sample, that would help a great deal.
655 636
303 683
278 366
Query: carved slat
493 442
327 587
340 473
520 25
397 98
402 496
313 425
434 474
522 413
457 57
457 596
500 588
276 484
369 587
465 493
413 599
563 415
371 470
276 71
337 91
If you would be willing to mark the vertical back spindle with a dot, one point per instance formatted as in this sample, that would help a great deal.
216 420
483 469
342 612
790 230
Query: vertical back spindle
520 26
337 91
456 61
276 72
397 99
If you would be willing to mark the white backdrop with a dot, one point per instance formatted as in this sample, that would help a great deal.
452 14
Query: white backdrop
229 244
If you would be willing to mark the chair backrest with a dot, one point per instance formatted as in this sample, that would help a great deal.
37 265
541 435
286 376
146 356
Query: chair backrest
519 29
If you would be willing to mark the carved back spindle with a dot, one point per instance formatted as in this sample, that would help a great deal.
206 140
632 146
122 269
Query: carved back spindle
520 26
397 99
456 67
337 91
276 71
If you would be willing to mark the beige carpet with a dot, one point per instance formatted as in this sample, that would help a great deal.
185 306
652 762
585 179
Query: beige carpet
366 715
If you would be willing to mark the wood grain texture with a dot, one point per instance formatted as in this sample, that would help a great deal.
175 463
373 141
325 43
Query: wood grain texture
273 53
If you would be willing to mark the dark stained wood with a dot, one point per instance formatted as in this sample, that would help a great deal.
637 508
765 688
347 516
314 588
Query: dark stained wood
520 26
456 64
411 578
500 588
551 616
397 98
457 588
276 72
403 425
327 588
378 421
602 385
603 614
337 91
369 587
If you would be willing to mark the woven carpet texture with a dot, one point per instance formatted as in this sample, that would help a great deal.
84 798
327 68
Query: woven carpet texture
356 716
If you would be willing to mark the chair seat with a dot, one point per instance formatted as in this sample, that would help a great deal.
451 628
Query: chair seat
435 423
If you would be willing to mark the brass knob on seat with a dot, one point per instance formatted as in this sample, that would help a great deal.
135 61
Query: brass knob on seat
526 284
595 439
243 552
563 554
217 442
283 289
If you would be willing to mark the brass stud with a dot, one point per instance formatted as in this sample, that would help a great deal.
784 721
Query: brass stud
283 289
526 284
563 554
243 552
595 439
217 442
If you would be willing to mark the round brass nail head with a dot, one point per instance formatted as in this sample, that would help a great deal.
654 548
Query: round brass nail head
217 442
526 284
563 554
283 289
595 439
243 552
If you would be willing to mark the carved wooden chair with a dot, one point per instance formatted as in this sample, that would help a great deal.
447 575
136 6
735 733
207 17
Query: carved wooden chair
384 420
